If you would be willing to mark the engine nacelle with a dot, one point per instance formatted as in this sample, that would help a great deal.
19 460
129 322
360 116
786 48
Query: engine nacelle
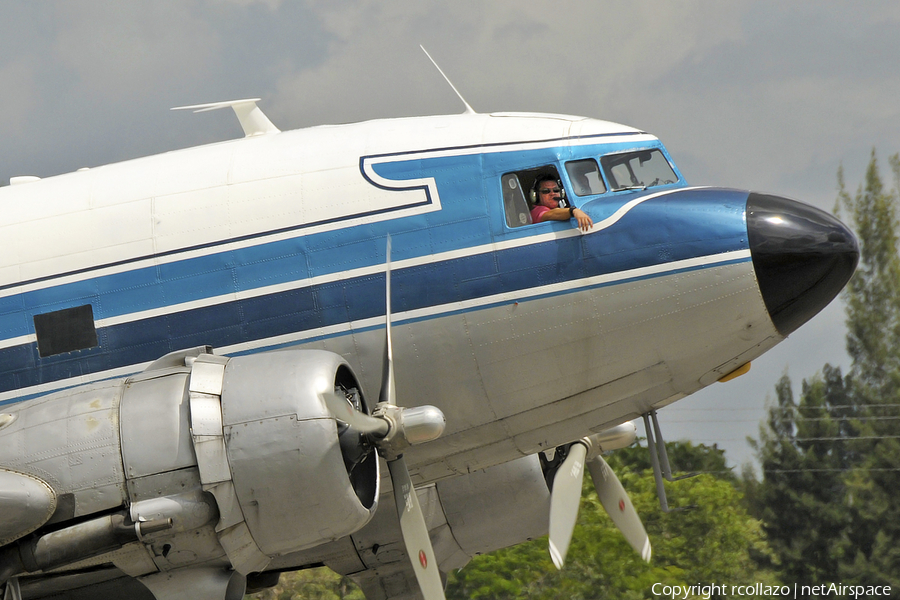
467 515
196 455
290 475
498 507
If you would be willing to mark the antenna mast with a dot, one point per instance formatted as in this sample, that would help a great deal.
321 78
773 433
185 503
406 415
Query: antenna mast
469 110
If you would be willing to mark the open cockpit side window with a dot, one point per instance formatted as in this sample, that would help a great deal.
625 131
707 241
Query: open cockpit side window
519 196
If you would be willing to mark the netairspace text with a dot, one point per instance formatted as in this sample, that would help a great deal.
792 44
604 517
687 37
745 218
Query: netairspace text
796 591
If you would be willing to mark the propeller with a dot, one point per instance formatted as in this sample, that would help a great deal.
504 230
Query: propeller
343 410
566 493
392 429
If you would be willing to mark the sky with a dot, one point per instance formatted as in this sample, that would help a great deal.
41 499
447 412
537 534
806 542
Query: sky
764 95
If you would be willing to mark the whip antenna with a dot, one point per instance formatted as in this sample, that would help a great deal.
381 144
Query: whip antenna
468 110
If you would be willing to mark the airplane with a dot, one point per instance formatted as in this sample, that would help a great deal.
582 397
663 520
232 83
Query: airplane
208 357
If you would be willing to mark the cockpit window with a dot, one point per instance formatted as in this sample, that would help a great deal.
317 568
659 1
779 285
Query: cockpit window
519 193
637 170
585 177
514 203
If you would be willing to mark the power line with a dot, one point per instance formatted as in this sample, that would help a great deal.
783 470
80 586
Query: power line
866 469
810 470
797 419
844 438
792 439
675 409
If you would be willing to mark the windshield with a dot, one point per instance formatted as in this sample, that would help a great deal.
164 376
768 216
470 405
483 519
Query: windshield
585 177
637 170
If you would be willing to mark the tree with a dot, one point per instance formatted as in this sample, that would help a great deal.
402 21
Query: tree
803 468
713 542
831 464
873 341
873 295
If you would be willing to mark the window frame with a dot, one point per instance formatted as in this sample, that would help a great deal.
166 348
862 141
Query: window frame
529 175
610 177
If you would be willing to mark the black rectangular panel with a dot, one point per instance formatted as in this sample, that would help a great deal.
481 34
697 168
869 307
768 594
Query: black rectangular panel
65 330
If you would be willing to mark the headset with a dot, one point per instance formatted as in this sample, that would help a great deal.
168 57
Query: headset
535 197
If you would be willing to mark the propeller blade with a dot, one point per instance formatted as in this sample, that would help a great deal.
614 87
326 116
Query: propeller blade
564 500
342 410
388 390
422 424
415 532
619 507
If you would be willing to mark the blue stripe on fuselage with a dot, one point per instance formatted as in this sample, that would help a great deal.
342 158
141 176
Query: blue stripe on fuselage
647 242
667 228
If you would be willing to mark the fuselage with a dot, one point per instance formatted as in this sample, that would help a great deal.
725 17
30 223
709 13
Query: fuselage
526 335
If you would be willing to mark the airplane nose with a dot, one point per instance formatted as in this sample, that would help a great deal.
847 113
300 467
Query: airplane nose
802 256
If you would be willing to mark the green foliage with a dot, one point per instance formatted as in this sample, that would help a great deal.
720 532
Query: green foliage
803 474
688 457
830 462
873 294
714 541
311 584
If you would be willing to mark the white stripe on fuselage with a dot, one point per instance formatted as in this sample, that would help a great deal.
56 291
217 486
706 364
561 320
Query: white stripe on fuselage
412 315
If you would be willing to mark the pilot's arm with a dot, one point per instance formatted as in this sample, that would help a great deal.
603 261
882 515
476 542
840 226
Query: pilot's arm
564 214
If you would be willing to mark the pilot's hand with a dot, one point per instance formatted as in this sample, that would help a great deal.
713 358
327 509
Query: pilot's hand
584 221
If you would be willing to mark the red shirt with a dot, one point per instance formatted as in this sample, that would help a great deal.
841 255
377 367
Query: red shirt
537 212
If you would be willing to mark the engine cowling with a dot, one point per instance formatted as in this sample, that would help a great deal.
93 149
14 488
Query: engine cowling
201 453
498 507
290 475
467 515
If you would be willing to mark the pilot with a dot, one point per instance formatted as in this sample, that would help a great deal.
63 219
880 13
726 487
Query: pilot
549 204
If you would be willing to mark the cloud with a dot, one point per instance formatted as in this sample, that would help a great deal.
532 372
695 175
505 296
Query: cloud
93 82
20 94
124 51
548 56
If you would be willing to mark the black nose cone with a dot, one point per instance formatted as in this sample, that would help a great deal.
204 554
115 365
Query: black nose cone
802 257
